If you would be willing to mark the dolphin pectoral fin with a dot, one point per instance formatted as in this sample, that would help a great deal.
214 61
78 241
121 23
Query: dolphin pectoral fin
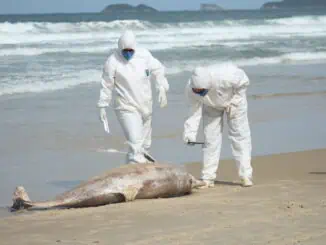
130 193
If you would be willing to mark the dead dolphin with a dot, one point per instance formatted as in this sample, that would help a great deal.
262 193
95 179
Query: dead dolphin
122 184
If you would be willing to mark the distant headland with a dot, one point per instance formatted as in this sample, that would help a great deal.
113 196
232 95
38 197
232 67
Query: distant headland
141 8
294 4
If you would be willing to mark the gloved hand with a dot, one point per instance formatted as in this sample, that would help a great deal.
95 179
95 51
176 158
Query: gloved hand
189 138
104 119
162 99
230 110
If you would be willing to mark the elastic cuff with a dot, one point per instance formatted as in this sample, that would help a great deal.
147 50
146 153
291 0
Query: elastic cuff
102 105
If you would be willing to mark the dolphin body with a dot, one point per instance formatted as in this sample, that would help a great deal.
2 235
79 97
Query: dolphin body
122 184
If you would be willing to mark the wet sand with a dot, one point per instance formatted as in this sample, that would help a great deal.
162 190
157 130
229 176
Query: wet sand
286 206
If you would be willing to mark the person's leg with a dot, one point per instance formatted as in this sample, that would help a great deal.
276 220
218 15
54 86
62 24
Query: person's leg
132 125
147 133
147 137
240 136
213 127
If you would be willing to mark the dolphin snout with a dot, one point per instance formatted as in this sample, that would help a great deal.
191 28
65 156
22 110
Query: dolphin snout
197 183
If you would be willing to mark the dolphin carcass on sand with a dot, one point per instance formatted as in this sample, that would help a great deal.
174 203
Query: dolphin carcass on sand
122 184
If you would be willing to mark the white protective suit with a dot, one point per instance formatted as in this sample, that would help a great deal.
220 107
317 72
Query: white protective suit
227 86
131 82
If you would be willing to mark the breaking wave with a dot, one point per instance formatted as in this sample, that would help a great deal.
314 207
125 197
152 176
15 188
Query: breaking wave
79 27
38 86
45 32
82 47
281 59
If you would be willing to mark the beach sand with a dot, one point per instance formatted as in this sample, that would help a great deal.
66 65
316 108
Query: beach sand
286 206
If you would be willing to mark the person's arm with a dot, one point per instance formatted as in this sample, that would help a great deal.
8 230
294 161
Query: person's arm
191 124
239 82
158 73
240 85
107 82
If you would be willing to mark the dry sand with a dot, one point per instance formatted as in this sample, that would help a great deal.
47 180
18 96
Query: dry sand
286 206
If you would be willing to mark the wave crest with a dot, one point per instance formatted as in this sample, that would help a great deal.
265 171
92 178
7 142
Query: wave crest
65 27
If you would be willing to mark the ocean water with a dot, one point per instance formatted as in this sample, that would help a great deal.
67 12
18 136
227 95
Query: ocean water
50 69
51 52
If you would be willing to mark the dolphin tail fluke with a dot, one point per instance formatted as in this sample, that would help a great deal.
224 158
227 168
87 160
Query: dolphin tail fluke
20 199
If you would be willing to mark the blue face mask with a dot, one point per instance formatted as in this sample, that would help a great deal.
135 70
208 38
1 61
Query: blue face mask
128 53
202 92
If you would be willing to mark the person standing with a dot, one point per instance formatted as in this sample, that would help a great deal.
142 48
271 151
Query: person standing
128 72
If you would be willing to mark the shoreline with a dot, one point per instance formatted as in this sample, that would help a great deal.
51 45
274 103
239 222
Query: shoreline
286 205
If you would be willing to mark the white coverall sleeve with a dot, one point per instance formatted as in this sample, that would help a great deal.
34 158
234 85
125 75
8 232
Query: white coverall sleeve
107 81
241 82
158 72
191 124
